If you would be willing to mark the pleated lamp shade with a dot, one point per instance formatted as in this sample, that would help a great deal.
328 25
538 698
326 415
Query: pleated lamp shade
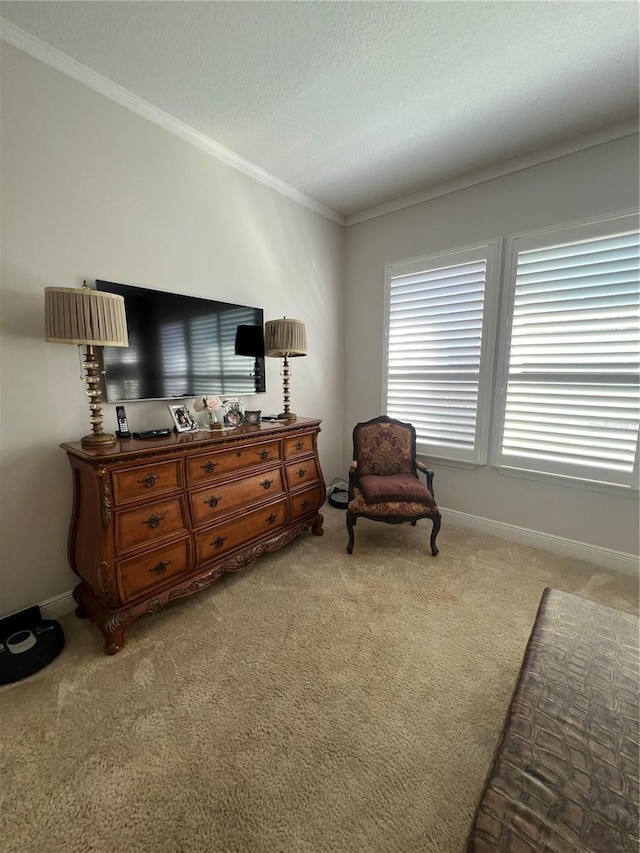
285 338
84 316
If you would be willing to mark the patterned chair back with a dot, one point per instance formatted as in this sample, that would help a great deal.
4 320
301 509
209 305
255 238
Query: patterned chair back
384 446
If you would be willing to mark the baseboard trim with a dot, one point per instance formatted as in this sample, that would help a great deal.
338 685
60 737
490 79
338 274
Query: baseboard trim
59 605
606 557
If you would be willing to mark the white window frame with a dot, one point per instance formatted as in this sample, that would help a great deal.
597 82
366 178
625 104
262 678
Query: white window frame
583 477
491 252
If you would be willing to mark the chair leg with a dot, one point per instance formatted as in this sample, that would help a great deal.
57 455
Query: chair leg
437 520
351 520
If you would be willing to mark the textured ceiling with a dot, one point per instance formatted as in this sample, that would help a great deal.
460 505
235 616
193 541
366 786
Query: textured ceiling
356 104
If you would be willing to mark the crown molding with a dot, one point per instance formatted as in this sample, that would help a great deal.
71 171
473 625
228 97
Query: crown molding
63 63
544 155
51 56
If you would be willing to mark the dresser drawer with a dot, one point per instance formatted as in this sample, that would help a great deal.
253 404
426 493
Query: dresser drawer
223 538
302 472
212 465
306 503
209 503
146 481
145 524
153 568
298 445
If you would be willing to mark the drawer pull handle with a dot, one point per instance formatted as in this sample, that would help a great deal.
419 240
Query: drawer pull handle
149 480
266 484
301 472
161 568
213 500
209 466
263 454
153 520
271 518
305 504
238 453
299 445
219 542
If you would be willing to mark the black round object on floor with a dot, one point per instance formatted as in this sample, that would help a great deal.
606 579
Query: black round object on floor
28 647
339 498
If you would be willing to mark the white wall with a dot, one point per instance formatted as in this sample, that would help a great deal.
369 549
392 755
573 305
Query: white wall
91 190
597 181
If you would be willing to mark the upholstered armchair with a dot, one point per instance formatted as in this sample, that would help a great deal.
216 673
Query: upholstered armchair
383 478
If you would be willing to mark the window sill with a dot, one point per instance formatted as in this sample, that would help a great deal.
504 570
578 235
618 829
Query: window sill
431 459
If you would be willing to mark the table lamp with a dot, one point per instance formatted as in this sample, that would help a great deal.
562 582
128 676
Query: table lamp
89 318
285 339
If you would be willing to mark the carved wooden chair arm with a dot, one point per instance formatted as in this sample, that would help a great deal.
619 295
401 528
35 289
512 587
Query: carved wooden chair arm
428 474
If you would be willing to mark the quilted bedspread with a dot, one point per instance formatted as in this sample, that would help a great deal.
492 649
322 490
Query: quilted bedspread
565 772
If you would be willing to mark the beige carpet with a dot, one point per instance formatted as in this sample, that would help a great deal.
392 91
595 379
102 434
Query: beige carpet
314 702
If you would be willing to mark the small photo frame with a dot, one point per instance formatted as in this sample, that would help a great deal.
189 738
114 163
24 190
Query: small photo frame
233 418
252 418
182 418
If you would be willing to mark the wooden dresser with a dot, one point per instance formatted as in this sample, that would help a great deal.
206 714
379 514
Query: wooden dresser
159 519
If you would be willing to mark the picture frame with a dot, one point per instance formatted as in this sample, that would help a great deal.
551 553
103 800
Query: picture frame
234 412
252 418
182 418
233 418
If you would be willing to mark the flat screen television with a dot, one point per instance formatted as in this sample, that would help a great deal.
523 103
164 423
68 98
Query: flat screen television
182 346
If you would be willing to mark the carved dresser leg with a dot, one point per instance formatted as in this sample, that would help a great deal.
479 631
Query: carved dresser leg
113 629
316 527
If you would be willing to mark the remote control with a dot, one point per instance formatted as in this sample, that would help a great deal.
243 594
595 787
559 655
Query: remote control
152 433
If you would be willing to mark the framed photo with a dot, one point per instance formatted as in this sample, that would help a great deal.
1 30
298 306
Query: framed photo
252 418
233 412
182 418
233 418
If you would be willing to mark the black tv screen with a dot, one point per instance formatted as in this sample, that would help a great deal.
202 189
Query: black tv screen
182 346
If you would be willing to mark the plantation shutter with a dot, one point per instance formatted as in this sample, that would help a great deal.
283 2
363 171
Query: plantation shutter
572 396
435 348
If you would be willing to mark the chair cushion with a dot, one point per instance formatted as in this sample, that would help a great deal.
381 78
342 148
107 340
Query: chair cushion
392 509
395 487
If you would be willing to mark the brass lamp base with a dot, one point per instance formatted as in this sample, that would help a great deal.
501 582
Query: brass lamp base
98 439
286 373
